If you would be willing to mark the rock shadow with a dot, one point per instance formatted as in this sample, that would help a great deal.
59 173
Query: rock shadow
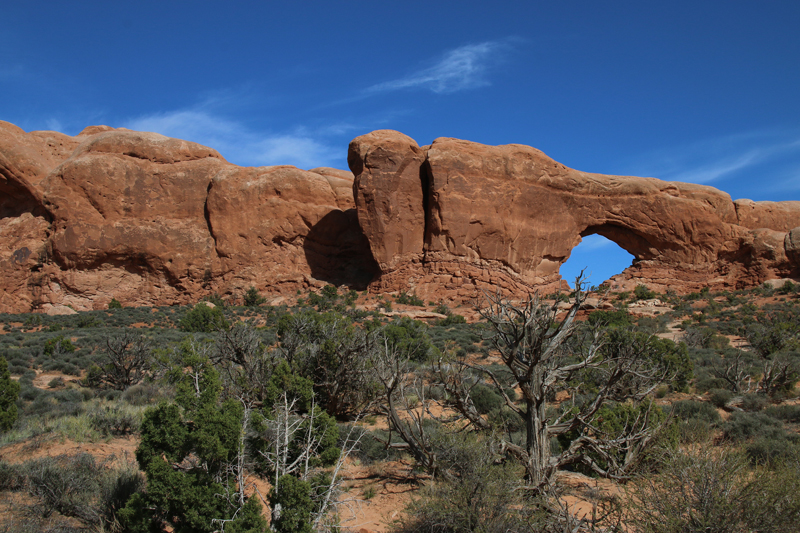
338 252
16 199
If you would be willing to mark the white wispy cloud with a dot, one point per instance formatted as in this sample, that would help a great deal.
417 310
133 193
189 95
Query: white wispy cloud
459 69
714 160
239 143
718 169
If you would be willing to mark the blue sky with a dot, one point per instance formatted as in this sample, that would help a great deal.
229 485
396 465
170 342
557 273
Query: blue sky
707 92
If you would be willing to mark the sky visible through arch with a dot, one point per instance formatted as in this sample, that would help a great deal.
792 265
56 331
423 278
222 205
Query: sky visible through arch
597 259
704 92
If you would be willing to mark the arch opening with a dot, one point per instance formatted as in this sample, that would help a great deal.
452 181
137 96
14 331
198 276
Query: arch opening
599 257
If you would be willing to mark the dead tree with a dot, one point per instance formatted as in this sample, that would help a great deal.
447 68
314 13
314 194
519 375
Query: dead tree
736 372
404 403
127 359
547 353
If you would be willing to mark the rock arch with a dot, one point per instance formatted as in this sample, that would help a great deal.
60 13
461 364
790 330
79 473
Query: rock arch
508 216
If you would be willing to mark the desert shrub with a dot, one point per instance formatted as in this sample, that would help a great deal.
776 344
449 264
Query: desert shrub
451 320
114 421
65 484
17 369
33 320
695 430
442 308
9 392
53 404
720 397
743 426
114 304
707 383
466 337
118 486
787 413
327 299
788 288
78 486
486 399
10 477
58 345
203 319
296 504
143 394
612 319
766 450
110 395
690 409
713 491
507 420
436 392
704 337
252 298
409 299
480 496
410 338
70 369
753 402
653 324
371 445
33 524
641 292
28 393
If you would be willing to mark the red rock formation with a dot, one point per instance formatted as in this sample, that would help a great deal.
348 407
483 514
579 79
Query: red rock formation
151 220
509 216
281 226
388 195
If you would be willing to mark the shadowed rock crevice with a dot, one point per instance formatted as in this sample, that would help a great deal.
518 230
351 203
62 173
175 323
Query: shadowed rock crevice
207 215
338 252
426 181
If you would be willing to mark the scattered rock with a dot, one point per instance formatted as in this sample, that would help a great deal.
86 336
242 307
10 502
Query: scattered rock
778 283
57 310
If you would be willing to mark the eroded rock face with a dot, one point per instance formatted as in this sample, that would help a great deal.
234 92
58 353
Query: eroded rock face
509 216
151 220
388 195
283 227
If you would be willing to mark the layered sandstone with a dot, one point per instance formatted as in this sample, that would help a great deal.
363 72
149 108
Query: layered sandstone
509 216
